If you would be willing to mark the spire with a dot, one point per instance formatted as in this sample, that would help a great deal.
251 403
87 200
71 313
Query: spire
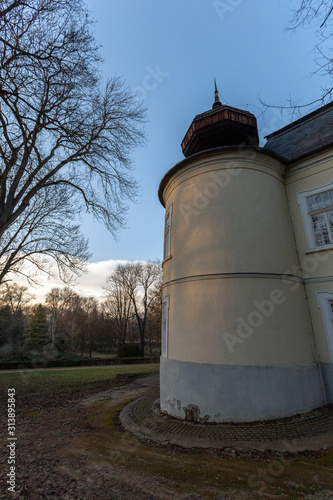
217 102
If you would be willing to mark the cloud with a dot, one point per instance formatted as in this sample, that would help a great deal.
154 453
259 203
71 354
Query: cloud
92 282
89 284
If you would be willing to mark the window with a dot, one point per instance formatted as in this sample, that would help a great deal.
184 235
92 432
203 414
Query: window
325 303
321 212
167 234
317 211
165 326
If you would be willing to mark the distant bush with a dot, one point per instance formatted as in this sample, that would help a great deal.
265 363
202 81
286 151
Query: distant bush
17 358
32 356
129 351
69 356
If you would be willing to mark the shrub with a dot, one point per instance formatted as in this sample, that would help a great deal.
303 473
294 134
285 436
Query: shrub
129 351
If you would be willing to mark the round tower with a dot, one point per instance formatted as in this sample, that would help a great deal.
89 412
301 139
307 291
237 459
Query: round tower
237 342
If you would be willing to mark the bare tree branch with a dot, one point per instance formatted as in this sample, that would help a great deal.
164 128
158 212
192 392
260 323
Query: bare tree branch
63 132
312 14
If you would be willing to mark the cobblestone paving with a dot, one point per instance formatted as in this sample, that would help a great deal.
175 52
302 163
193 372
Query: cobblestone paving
145 413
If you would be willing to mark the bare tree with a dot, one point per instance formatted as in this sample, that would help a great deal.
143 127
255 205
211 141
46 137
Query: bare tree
66 322
154 318
17 297
57 301
91 323
42 231
117 304
72 322
317 14
65 139
312 12
139 282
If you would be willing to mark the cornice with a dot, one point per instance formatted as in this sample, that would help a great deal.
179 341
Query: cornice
305 164
226 153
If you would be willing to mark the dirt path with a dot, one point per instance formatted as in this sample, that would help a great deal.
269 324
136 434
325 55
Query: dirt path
73 447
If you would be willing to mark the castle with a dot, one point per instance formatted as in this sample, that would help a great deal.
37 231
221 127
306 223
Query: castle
247 313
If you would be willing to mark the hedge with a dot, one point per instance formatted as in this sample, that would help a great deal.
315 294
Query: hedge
59 363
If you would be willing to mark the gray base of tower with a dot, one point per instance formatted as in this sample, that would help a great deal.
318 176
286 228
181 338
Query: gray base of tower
229 393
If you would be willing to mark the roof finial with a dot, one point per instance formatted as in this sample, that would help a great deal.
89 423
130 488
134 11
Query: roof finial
217 102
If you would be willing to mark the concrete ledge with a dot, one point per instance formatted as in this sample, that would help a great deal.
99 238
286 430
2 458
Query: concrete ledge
229 393
327 369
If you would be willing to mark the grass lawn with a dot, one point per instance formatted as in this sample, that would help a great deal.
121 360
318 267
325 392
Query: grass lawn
48 380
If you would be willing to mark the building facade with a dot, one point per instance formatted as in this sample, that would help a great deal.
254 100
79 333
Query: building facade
247 316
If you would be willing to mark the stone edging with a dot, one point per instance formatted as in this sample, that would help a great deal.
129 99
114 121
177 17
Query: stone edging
310 431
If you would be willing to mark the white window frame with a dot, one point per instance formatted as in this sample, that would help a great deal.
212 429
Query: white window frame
324 300
167 234
308 226
165 326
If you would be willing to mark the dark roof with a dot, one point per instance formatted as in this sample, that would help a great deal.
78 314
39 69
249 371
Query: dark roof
306 136
221 126
220 108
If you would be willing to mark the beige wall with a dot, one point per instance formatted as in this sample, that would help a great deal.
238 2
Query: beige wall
243 222
230 216
314 174
239 321
316 266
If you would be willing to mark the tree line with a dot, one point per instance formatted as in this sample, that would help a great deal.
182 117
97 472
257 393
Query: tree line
69 324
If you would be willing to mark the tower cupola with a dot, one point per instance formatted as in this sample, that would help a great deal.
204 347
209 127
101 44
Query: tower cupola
221 126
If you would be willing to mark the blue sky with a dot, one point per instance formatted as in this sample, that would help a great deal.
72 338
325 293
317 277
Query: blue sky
169 53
